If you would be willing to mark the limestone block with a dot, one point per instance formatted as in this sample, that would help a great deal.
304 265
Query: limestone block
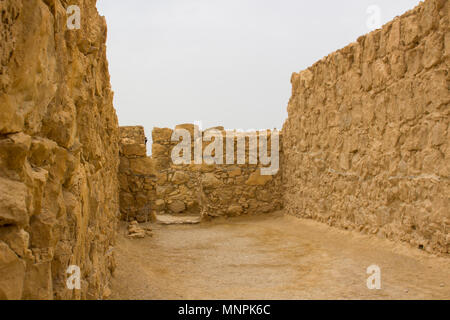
160 205
17 239
11 120
177 206
142 166
235 210
12 274
13 202
180 177
159 150
161 135
42 151
133 149
256 179
209 180
235 173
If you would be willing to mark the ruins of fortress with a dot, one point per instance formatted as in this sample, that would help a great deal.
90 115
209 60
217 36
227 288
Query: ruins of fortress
365 147
155 185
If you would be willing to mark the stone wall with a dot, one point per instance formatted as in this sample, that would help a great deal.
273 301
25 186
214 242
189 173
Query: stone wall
367 138
137 176
58 152
158 185
211 189
233 190
177 185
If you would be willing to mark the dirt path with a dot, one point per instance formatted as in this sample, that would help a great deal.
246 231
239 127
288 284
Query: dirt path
272 257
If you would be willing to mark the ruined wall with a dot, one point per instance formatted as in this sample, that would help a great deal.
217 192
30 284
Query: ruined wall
211 190
156 185
137 176
58 152
367 138
177 185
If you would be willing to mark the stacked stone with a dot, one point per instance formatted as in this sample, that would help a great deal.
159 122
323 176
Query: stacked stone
137 176
211 190
367 138
177 185
237 189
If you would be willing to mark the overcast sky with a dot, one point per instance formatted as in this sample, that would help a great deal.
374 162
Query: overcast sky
223 62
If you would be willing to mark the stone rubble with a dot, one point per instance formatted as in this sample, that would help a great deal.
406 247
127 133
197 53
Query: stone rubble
137 232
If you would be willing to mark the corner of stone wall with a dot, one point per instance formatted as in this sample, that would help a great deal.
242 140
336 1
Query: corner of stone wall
137 176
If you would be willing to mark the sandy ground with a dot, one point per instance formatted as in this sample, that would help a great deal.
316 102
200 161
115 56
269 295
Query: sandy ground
271 257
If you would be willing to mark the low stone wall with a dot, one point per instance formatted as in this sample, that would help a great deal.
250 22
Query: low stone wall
215 189
367 138
158 185
177 185
137 176
232 190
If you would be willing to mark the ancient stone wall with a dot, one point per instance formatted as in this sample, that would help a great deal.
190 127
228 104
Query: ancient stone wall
159 185
137 176
58 152
177 185
366 142
211 189
233 190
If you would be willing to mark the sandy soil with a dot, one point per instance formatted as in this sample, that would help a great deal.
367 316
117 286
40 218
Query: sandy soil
271 257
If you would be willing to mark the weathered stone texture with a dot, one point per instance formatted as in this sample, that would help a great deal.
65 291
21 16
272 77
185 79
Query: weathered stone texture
366 142
155 185
211 189
58 152
137 176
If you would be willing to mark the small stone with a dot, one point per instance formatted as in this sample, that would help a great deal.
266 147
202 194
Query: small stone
180 177
177 206
160 205
234 210
106 293
235 173
136 235
209 180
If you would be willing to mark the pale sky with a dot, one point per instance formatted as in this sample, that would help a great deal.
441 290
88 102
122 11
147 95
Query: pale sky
223 62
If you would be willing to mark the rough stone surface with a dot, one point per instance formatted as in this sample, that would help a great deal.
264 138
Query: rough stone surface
135 231
367 138
137 176
155 185
211 189
58 152
365 147
177 206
